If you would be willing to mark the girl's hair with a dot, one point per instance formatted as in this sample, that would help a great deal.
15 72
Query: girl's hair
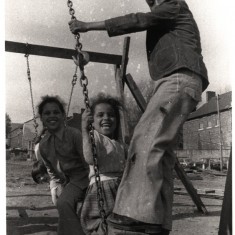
38 168
51 99
114 102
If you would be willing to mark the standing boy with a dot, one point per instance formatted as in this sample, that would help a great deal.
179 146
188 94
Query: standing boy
176 64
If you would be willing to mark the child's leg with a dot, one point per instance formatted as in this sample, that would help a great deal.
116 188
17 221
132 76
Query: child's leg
90 215
150 157
69 221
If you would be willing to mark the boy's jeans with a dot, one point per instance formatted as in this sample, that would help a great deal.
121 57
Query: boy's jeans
146 190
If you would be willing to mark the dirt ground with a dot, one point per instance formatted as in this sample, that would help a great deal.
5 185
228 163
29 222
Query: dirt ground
30 210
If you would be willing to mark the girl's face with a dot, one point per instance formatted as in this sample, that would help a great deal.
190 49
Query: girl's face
52 117
105 121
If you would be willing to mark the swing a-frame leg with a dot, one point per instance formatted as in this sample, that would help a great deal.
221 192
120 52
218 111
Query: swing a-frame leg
120 72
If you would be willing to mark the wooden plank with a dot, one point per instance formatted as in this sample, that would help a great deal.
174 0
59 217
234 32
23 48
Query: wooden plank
212 196
178 168
126 47
135 92
62 53
120 85
206 191
123 116
203 191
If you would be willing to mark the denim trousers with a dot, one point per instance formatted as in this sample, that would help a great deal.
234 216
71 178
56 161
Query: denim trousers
69 221
146 190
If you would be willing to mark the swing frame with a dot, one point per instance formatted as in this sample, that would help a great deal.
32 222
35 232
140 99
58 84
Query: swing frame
120 65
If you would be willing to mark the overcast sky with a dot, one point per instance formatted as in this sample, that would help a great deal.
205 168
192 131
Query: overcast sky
46 23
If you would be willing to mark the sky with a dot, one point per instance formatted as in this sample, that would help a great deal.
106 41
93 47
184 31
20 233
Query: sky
45 22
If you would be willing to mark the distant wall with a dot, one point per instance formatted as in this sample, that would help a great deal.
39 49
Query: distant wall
203 133
196 155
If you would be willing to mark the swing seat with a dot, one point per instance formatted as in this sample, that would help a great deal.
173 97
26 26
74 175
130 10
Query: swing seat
128 224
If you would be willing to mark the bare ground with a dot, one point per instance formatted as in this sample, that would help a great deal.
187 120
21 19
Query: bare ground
30 210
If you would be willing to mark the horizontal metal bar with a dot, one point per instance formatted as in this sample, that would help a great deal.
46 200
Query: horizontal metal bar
62 53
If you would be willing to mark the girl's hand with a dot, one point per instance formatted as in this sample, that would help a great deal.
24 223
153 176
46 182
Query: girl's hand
87 119
77 26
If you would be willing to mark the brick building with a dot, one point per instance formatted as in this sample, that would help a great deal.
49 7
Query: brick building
14 138
209 127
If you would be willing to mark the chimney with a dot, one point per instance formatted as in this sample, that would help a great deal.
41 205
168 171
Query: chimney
209 95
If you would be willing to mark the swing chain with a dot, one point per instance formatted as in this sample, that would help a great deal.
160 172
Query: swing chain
71 10
74 80
77 36
80 62
84 84
31 91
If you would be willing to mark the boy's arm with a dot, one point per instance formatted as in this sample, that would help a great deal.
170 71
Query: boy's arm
55 180
82 27
165 12
37 152
56 184
160 17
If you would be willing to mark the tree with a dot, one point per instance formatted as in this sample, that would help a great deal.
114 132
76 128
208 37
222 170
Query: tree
8 124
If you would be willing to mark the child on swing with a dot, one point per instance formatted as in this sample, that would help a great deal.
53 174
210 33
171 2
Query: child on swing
61 152
104 114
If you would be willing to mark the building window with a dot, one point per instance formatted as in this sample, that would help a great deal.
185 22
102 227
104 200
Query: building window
200 126
209 124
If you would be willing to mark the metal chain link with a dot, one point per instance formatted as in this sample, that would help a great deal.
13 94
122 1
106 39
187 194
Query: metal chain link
31 92
84 84
74 80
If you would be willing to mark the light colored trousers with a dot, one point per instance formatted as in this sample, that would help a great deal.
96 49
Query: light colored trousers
146 190
69 222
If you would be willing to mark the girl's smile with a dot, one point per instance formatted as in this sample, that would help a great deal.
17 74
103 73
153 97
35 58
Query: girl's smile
104 119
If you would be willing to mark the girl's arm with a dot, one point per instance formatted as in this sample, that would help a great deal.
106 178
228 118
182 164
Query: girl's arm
87 119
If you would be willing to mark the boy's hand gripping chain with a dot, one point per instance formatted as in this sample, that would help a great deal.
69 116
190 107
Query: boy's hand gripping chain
81 60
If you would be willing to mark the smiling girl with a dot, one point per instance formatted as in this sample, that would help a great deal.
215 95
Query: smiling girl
104 115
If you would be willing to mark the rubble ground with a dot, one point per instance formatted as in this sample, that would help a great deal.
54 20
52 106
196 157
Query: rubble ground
30 210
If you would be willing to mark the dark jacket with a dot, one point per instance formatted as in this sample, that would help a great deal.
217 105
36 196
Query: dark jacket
62 154
173 39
